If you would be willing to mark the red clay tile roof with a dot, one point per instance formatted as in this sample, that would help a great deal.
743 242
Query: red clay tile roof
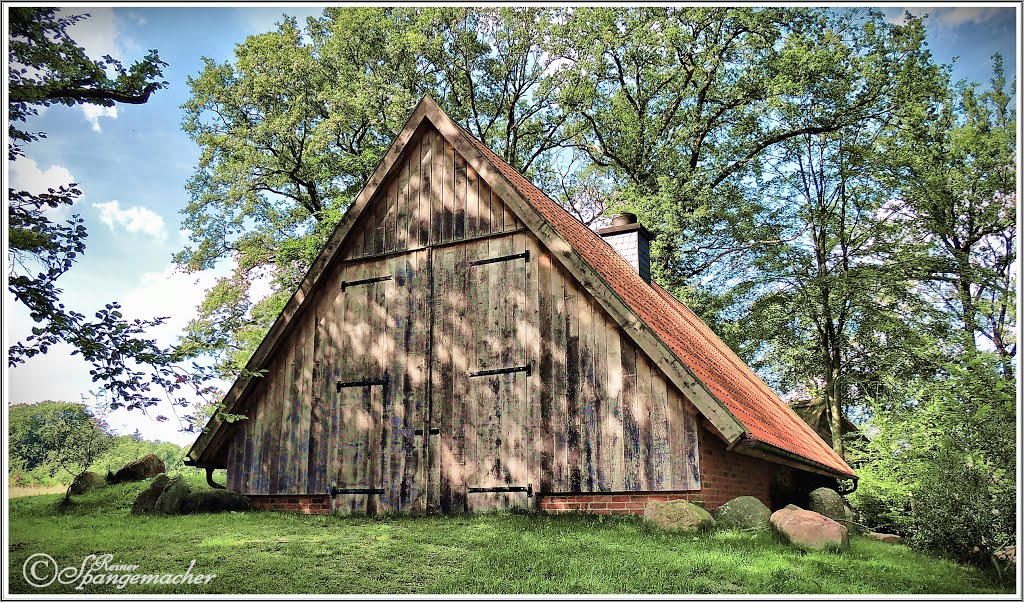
726 376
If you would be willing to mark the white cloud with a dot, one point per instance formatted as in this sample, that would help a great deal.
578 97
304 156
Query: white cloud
94 112
98 33
964 15
137 19
62 376
133 219
171 293
947 18
26 175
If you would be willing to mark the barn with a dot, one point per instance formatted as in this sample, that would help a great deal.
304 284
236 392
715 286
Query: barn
464 344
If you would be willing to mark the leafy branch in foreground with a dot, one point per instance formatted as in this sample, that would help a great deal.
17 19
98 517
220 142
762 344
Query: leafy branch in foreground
46 67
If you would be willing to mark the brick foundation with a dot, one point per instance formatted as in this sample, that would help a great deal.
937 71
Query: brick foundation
306 504
724 475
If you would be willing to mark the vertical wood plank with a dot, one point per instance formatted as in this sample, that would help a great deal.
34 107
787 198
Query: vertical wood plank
508 219
248 468
443 268
587 398
459 198
462 350
390 190
677 471
273 378
417 470
259 453
315 462
545 381
486 218
573 425
436 189
644 402
660 434
413 194
380 217
613 429
536 455
426 188
403 224
559 391
601 403
234 464
472 203
630 421
520 317
296 459
287 395
447 192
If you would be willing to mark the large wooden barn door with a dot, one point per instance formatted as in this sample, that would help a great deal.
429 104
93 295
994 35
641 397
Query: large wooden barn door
378 422
480 373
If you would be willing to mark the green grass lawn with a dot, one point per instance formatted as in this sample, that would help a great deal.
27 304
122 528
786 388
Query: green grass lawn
272 552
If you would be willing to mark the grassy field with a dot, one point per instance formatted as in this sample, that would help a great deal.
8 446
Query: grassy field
272 552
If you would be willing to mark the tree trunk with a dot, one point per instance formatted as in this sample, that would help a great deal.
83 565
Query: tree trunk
963 286
834 407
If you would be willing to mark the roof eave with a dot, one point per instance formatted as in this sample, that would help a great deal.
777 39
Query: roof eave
766 451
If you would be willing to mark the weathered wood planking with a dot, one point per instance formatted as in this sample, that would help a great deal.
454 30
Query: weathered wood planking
445 306
433 197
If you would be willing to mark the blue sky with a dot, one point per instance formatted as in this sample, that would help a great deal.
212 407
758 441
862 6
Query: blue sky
132 164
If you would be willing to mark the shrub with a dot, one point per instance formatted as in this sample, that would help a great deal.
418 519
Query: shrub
941 467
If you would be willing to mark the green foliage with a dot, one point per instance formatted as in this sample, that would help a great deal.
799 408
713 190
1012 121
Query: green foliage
28 447
957 179
71 439
45 437
942 469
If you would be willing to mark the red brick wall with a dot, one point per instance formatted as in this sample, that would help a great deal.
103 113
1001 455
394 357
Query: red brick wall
306 504
723 475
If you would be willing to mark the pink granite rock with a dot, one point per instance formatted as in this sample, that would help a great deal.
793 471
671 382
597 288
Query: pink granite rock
810 530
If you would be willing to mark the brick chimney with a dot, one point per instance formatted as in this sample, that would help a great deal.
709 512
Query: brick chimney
630 240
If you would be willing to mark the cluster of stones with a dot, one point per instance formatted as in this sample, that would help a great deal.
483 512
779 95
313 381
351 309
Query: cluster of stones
825 525
145 467
172 495
164 495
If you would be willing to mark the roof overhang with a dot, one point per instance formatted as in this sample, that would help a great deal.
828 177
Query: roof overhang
766 451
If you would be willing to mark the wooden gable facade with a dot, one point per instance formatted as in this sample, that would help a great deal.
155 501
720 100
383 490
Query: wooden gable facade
442 357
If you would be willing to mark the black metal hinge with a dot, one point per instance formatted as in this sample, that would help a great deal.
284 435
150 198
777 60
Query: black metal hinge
527 369
510 489
433 431
347 283
363 383
524 255
356 490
